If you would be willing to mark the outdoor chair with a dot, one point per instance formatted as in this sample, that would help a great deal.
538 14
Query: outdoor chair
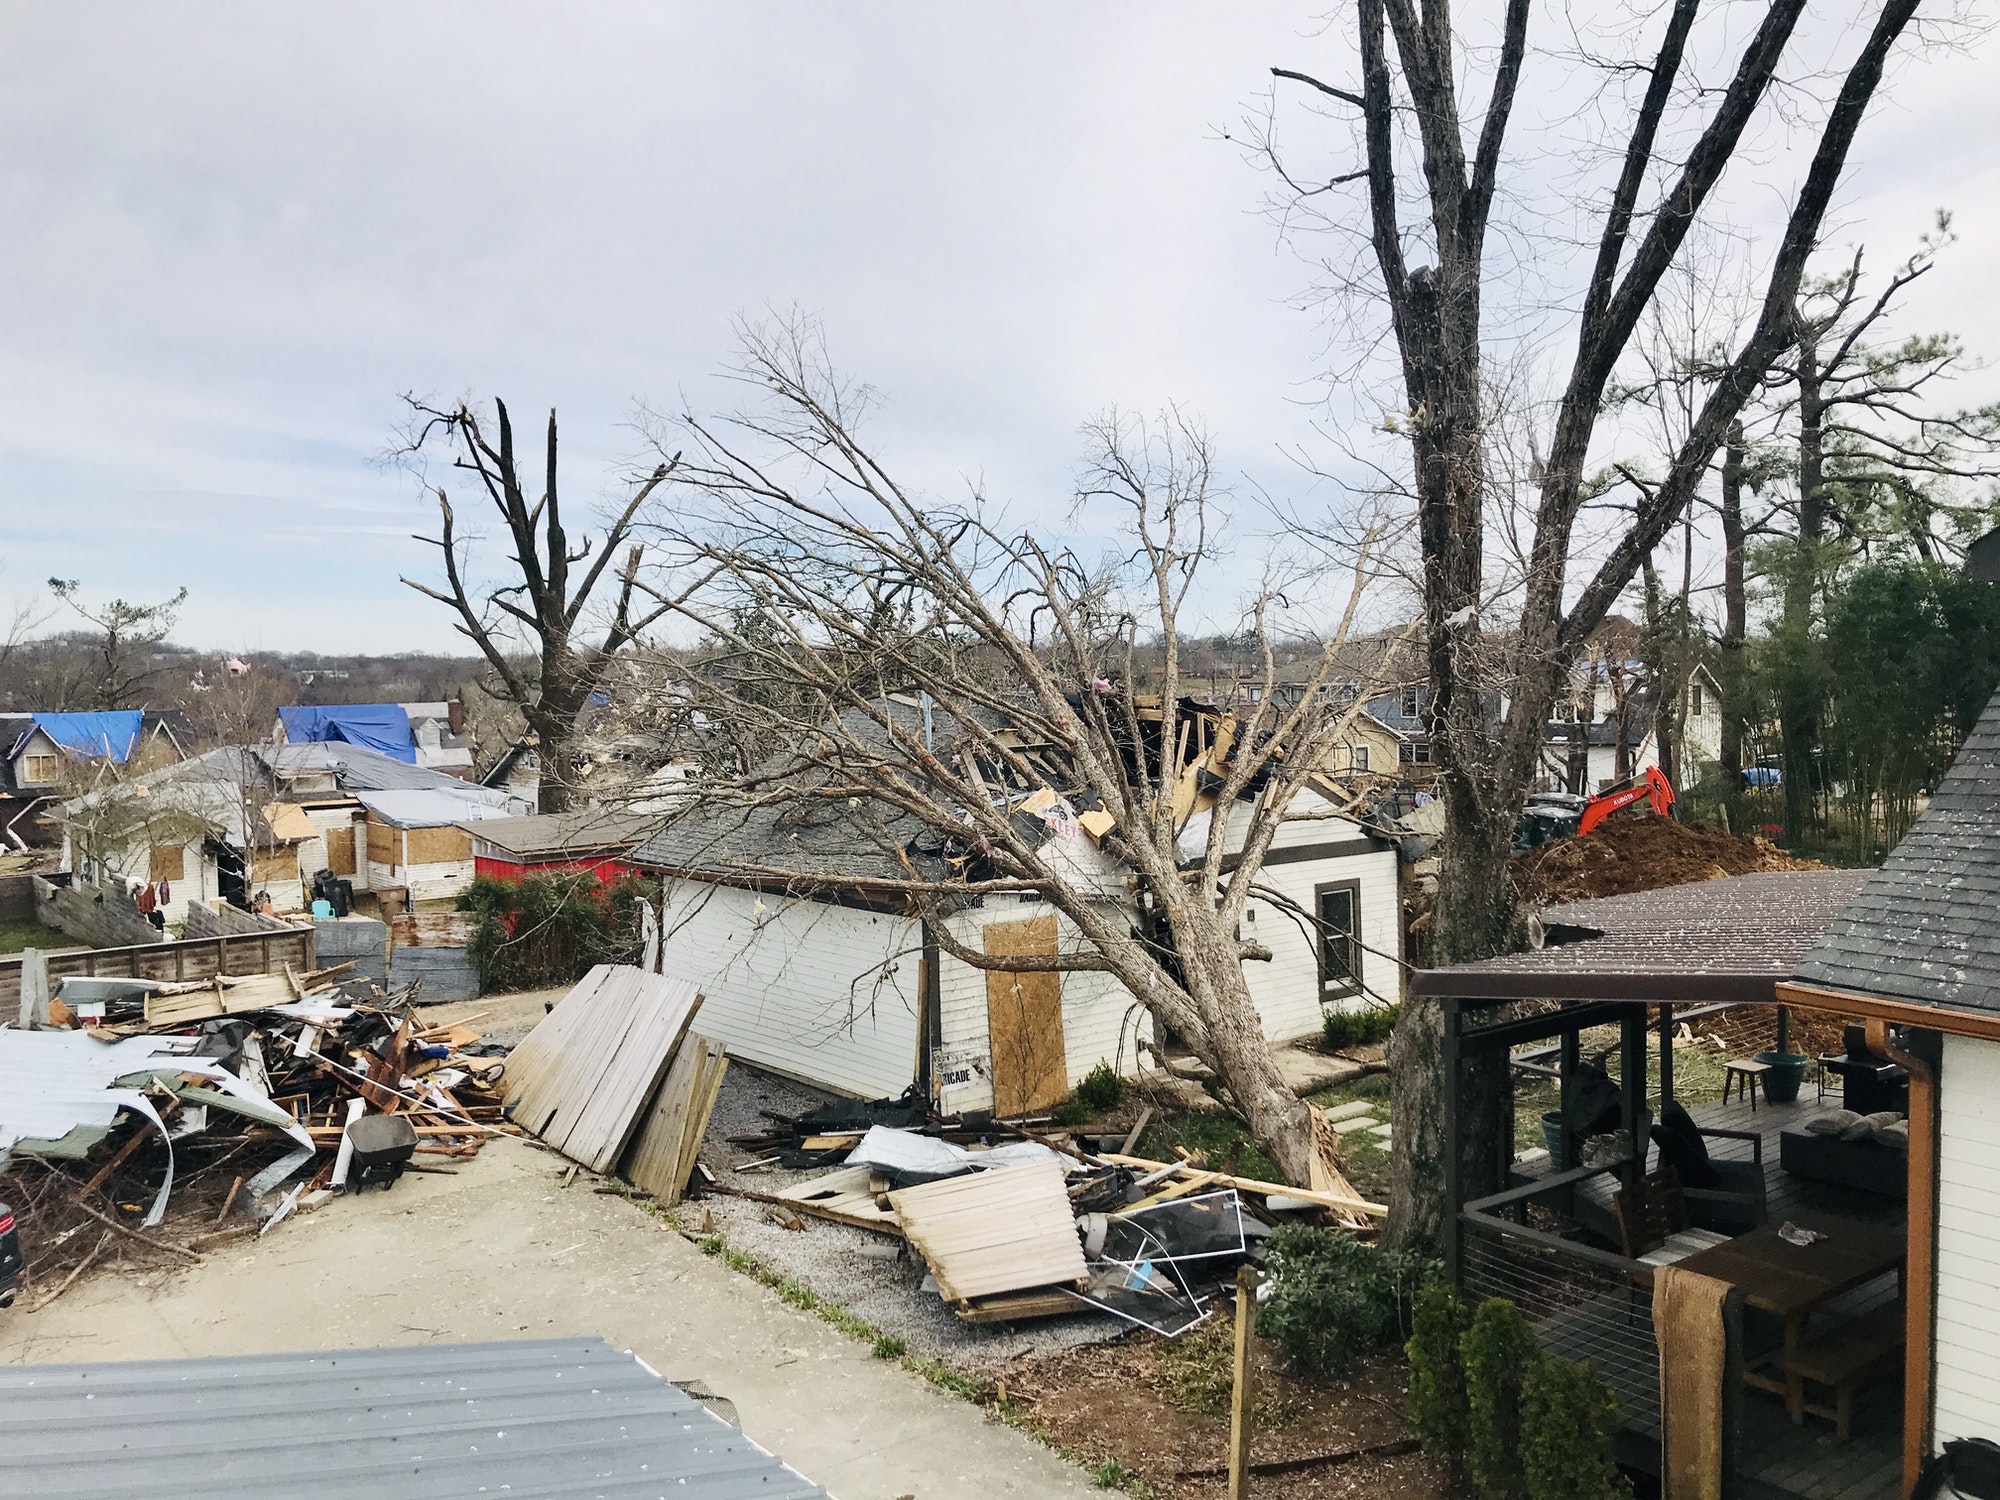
1726 1196
1653 1225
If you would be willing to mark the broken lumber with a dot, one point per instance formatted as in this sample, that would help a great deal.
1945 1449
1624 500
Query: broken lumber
1254 1185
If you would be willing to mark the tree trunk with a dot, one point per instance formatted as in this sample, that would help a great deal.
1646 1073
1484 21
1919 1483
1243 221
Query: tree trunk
1658 658
1798 717
1735 628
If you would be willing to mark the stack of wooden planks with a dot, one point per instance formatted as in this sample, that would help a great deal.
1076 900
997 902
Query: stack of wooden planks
993 1234
662 1154
613 1076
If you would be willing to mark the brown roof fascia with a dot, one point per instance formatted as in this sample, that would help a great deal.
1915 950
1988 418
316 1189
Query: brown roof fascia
1650 989
1896 1012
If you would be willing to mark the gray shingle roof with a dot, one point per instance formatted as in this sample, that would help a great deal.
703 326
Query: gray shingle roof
540 1418
1926 926
805 838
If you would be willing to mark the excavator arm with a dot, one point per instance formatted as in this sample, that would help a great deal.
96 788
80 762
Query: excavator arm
1653 787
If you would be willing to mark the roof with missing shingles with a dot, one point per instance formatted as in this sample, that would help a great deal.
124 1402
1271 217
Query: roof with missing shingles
1926 926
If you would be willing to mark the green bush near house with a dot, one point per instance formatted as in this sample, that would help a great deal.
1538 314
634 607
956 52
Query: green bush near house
1359 1028
1101 1089
1500 1352
1568 1417
1436 1409
1334 1299
548 930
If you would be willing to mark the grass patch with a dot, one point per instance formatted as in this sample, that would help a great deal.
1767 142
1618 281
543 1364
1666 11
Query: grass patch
888 1346
1200 1376
1214 1136
17 937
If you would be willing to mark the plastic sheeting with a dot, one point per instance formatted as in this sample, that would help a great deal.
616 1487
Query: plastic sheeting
907 1158
112 736
381 727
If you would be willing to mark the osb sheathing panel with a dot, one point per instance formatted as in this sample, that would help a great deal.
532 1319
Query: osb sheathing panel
385 844
340 850
281 863
1024 1021
437 846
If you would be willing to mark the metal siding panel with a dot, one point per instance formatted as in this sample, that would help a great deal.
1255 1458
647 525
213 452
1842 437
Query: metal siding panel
1968 1297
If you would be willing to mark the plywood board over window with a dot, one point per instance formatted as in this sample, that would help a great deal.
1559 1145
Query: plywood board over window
1024 1020
437 846
165 862
340 850
385 844
279 864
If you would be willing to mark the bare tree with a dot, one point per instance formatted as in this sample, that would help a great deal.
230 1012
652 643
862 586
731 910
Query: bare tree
555 577
933 675
1408 104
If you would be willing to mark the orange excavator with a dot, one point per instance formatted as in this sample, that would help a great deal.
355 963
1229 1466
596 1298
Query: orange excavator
1558 815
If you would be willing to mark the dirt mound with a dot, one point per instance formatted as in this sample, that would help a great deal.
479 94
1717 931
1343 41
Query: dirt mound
1639 851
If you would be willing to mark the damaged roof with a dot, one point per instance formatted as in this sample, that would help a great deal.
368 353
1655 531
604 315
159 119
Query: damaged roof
583 830
540 1417
1926 926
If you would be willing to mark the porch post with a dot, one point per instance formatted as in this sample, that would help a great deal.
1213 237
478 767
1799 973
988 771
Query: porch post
1449 1238
1632 1055
1666 1054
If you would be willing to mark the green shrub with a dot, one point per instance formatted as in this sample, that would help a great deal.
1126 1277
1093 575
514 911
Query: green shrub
1334 1299
1100 1090
1568 1417
1499 1350
1359 1028
1437 1411
1071 1112
548 930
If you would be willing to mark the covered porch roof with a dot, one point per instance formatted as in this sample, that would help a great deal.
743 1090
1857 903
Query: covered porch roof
1727 941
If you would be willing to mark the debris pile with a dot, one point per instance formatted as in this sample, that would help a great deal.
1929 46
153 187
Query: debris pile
1641 852
1013 1223
130 1108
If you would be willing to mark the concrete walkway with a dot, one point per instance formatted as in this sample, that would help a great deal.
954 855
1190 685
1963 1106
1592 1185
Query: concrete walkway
503 1251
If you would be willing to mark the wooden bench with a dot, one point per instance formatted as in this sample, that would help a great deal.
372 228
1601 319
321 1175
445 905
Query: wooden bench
1847 1360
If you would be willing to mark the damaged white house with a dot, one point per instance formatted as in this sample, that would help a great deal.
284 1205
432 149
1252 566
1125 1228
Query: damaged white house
809 970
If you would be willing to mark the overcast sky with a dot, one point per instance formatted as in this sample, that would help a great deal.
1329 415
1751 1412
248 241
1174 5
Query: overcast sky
234 234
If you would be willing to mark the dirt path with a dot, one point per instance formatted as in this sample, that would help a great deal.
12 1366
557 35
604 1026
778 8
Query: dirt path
503 1251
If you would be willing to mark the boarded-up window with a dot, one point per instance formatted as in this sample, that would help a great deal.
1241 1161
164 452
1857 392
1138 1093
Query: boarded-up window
163 862
39 770
1024 1021
437 846
385 844
279 864
340 850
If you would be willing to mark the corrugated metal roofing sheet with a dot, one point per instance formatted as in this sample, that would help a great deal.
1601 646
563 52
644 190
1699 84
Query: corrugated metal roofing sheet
566 1418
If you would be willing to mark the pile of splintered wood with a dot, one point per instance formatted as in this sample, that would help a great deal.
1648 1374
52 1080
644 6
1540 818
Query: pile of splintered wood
613 1079
300 1045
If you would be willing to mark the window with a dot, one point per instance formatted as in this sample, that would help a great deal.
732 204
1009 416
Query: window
1256 692
1413 702
1339 938
1414 753
39 770
1694 698
1358 756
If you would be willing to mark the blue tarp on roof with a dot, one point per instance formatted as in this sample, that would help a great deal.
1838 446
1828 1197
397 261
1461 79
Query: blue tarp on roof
113 735
382 727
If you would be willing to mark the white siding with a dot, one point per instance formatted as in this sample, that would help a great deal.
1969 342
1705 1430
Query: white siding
1286 989
824 993
1096 1006
1967 1392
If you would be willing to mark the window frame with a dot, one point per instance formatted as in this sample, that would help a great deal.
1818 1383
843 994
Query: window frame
1359 758
32 777
1413 703
1333 987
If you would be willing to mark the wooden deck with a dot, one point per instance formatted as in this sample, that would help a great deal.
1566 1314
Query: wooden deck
1777 1460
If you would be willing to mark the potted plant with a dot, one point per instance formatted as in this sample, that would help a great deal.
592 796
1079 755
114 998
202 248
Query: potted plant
1788 1068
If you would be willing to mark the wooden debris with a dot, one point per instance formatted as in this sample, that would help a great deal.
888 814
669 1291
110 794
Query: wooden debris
662 1156
585 1076
1351 1203
1006 1230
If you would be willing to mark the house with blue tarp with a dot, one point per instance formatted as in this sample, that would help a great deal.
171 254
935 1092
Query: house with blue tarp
381 727
38 751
